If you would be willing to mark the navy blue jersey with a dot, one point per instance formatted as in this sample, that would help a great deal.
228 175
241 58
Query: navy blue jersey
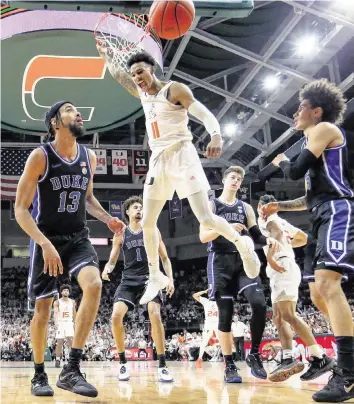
330 177
59 205
135 259
235 213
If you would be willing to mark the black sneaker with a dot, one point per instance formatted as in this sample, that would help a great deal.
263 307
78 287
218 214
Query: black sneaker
340 387
318 367
287 368
40 386
57 363
256 365
73 380
231 375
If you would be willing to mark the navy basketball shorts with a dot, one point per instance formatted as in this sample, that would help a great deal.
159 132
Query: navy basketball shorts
130 291
227 277
332 230
76 252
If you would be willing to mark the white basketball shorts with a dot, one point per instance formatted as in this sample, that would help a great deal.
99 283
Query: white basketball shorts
65 330
175 169
285 286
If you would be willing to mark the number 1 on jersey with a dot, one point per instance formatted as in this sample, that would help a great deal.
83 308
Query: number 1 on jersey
155 130
138 255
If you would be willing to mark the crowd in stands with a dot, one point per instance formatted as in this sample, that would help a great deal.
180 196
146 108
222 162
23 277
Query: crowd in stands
181 311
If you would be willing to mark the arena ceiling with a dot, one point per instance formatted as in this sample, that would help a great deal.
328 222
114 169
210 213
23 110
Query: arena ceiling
226 62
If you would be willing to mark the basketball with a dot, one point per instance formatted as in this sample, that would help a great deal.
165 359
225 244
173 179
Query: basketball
171 18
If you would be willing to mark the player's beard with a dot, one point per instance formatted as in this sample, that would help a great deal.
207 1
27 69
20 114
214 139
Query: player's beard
76 130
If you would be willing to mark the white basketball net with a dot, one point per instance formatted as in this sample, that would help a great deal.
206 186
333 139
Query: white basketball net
121 34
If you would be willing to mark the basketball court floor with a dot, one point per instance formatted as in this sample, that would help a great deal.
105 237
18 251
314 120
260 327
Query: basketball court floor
191 385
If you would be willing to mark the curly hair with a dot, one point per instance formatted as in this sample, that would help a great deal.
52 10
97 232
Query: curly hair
65 286
267 199
128 203
140 57
322 93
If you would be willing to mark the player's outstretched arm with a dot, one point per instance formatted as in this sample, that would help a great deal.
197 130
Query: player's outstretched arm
299 239
35 167
284 206
93 206
113 257
197 295
120 75
167 266
182 94
277 233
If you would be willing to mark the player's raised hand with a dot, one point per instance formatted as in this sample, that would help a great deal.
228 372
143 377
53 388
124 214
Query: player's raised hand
116 226
274 244
214 148
269 209
52 261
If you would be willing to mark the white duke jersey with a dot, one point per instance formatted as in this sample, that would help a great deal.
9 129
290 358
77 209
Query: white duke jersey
66 308
166 123
289 232
211 313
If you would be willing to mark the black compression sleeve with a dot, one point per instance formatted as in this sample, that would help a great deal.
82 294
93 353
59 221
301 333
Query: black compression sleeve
257 236
299 167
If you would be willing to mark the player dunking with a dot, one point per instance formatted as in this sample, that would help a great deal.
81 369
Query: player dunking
58 179
330 200
211 319
64 317
174 163
226 275
134 278
284 285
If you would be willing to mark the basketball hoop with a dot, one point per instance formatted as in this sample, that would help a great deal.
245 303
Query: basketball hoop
122 35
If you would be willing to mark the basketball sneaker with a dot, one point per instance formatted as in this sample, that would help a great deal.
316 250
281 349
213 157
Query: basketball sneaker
40 386
287 368
231 375
73 380
318 367
256 365
164 376
57 363
251 263
340 387
124 373
157 281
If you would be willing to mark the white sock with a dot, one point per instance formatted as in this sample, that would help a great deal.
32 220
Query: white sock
287 353
58 358
315 351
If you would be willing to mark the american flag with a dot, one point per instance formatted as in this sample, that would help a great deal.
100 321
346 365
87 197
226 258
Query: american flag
12 164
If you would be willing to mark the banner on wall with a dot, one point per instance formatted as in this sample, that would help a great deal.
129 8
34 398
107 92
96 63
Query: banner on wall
120 162
244 193
101 157
140 162
175 206
115 209
132 354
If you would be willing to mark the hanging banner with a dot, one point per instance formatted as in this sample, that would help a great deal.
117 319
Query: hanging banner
140 162
175 206
244 193
101 156
120 162
115 209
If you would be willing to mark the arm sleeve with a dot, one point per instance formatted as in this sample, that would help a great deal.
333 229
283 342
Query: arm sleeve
300 166
257 236
211 124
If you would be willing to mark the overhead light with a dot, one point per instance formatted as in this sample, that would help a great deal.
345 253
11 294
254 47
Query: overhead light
230 129
271 82
307 45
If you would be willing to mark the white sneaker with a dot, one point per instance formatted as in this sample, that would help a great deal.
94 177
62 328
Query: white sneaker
156 282
124 374
251 263
164 376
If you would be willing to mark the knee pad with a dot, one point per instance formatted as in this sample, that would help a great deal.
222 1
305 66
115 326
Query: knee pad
226 309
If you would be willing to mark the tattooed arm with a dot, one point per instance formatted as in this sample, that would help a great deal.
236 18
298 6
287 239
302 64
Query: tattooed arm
285 206
120 75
